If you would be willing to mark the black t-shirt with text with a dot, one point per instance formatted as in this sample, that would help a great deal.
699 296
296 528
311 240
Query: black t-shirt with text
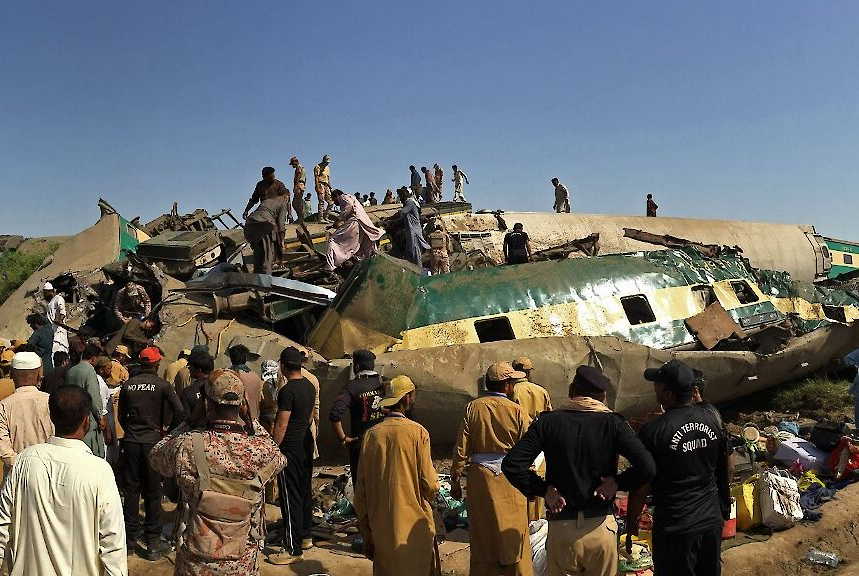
687 444
360 398
298 397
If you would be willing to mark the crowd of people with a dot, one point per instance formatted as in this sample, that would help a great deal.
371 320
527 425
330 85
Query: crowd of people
352 234
85 441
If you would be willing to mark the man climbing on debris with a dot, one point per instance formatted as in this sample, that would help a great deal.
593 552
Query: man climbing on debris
131 301
360 398
413 235
690 489
299 185
148 406
267 188
517 245
458 178
562 197
221 471
441 246
581 442
264 226
415 183
431 191
353 234
42 340
497 512
651 206
373 200
397 485
322 185
57 317
295 404
438 177
135 334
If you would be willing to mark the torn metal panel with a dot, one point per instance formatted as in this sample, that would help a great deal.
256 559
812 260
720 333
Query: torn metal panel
587 246
225 279
713 325
709 250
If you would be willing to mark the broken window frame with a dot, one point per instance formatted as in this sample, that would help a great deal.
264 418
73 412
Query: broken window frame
647 318
496 324
743 301
835 313
848 259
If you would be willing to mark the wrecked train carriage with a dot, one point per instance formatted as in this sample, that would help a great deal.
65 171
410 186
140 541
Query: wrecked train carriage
623 312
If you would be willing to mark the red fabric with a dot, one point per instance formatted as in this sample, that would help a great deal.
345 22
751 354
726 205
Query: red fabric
151 355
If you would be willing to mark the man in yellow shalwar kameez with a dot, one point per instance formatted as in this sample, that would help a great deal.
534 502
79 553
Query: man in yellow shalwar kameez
497 512
396 485
534 399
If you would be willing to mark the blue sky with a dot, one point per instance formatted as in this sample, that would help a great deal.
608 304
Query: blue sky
744 110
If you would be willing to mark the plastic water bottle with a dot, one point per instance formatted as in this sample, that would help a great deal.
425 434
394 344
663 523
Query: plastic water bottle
816 556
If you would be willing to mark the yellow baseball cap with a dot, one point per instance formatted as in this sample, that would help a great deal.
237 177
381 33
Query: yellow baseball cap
394 392
501 371
122 349
523 363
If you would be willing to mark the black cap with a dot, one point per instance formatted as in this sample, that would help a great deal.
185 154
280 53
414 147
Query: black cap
292 356
590 379
676 375
363 357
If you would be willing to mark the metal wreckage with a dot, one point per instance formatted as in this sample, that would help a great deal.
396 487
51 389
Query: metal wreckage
752 305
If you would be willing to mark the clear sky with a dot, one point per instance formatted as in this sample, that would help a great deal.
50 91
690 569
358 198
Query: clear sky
745 110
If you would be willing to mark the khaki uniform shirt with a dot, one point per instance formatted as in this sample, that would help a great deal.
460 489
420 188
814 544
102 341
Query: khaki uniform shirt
24 421
322 177
299 181
118 373
397 484
534 399
178 375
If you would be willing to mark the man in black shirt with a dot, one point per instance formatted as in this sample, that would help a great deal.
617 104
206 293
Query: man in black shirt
517 246
200 365
295 403
143 403
689 490
581 442
360 398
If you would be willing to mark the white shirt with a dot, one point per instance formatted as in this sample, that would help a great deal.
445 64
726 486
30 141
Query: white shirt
57 307
61 515
106 393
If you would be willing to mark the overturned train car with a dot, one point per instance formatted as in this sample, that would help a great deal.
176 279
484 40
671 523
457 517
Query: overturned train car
746 329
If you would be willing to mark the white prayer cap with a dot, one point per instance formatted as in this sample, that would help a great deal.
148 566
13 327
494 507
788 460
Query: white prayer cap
48 286
26 361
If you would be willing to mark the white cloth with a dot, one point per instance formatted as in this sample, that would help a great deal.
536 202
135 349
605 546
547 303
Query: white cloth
57 308
106 393
61 515
489 460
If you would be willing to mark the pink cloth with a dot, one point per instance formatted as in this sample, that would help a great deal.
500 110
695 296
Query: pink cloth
355 236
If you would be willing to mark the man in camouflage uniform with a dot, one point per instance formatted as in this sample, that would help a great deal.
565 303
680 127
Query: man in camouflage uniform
322 185
131 301
439 241
299 185
233 448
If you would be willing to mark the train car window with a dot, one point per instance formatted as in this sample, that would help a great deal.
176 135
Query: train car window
744 292
638 310
848 258
494 329
835 313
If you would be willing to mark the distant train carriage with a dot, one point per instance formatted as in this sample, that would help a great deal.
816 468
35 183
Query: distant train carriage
845 256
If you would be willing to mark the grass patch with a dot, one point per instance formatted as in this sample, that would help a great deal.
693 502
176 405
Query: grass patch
16 267
816 398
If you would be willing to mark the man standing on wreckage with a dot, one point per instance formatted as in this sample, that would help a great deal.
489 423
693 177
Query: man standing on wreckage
352 234
264 226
